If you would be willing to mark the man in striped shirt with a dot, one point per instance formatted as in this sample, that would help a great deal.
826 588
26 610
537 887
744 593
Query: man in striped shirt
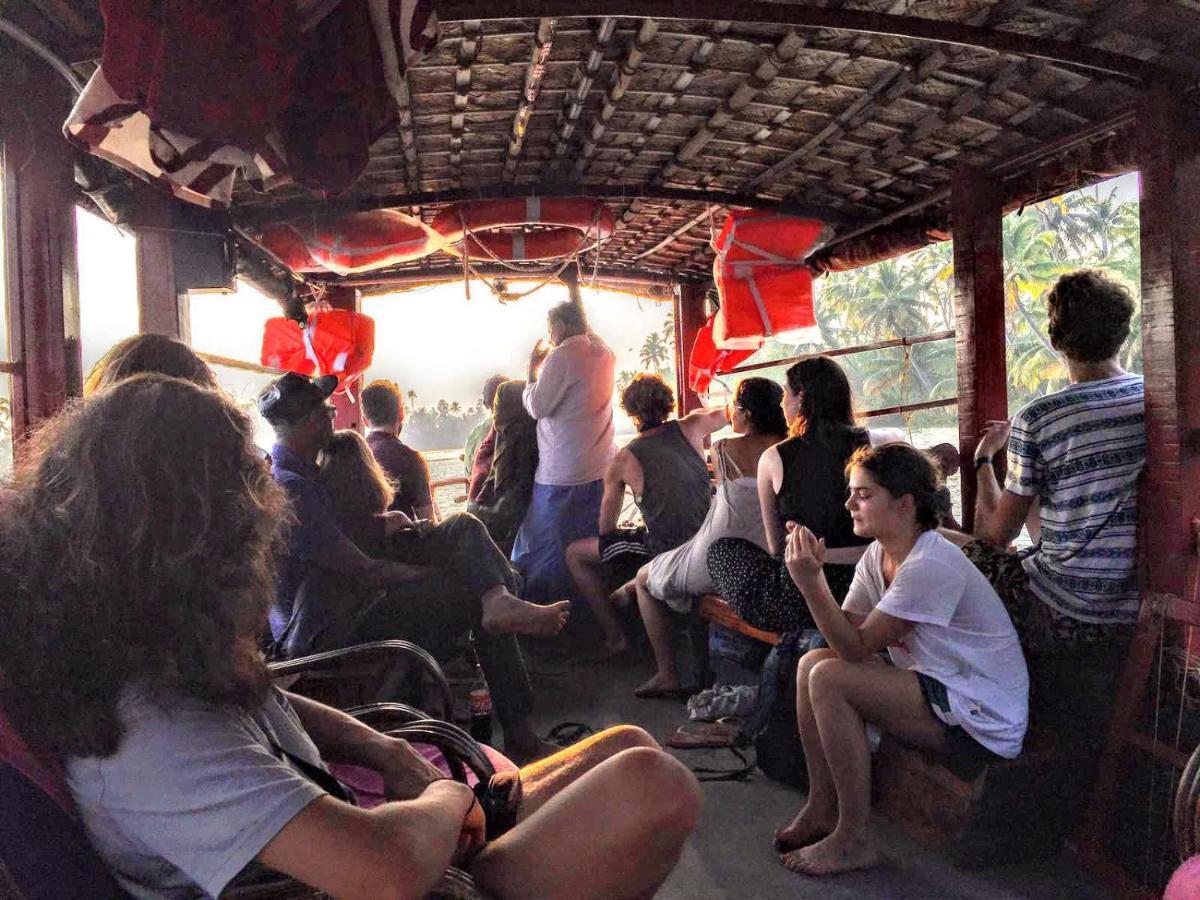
1074 458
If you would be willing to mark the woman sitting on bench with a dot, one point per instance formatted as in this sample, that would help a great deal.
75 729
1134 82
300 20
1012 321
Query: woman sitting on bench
137 560
957 679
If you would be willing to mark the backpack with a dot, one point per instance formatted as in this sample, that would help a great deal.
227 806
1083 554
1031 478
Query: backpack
772 726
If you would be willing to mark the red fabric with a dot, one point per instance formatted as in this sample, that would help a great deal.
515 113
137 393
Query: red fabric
367 784
283 347
189 63
482 466
706 360
342 342
46 774
764 286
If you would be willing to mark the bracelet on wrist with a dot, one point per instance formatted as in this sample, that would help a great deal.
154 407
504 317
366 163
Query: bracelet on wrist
982 461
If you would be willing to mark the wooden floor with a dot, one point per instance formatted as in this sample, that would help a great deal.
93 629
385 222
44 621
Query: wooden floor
730 855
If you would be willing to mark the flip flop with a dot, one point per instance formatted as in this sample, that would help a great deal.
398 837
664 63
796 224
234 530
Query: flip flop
696 735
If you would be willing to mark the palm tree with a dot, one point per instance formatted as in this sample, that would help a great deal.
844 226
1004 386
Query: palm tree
654 352
455 408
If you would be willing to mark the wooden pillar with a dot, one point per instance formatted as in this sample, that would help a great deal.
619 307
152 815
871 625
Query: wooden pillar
976 212
689 319
349 411
1170 224
41 267
160 310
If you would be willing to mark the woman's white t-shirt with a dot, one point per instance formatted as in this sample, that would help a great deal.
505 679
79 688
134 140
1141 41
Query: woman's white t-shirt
962 636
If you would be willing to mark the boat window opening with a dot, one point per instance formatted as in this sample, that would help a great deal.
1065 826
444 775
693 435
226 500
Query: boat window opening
440 347
6 419
108 297
1096 227
227 329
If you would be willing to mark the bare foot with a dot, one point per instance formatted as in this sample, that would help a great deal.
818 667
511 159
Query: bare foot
837 853
659 686
807 828
506 614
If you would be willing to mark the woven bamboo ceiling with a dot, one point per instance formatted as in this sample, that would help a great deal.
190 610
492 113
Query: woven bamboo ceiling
847 111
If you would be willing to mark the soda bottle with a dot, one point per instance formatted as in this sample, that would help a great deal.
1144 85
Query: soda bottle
481 708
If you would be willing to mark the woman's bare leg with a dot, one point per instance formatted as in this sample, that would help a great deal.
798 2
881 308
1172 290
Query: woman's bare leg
658 630
844 697
613 834
818 817
547 777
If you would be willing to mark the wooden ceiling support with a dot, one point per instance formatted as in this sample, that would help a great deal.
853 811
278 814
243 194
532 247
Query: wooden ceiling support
1169 163
535 71
40 263
690 314
161 309
977 209
1168 504
799 15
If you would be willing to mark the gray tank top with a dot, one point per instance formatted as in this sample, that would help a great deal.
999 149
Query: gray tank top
675 486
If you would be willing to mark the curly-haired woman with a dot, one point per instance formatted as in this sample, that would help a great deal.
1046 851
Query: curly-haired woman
137 561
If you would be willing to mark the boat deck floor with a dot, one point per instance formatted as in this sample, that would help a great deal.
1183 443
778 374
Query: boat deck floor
730 856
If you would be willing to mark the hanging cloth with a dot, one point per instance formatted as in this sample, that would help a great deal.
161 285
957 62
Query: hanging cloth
707 360
764 285
189 94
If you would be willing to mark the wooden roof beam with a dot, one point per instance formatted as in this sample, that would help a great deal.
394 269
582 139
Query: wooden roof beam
468 49
617 88
576 96
800 15
543 43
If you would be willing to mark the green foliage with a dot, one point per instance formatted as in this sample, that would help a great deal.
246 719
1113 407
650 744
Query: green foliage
912 295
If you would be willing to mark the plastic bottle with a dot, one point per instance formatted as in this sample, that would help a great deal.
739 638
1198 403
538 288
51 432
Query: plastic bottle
481 708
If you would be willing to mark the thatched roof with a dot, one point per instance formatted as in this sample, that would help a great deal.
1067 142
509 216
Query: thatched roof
673 120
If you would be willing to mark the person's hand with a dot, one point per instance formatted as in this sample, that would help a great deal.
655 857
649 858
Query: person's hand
803 553
473 836
538 354
406 773
396 521
994 440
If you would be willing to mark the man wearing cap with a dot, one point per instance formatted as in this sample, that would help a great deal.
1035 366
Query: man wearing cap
327 589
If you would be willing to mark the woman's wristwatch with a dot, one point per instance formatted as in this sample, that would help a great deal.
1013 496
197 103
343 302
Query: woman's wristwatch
982 461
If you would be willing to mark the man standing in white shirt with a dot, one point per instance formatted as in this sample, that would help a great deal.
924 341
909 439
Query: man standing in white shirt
569 392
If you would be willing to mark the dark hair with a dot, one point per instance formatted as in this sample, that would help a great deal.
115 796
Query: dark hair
1089 315
760 399
137 547
148 353
356 482
508 407
569 315
903 469
826 402
490 387
381 403
648 400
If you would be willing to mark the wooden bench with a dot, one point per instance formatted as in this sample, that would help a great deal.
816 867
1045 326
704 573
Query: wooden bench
1003 812
714 609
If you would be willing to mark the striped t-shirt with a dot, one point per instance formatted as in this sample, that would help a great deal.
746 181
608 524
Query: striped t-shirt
1080 452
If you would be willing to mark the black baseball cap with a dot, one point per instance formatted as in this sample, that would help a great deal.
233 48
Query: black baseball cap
291 397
